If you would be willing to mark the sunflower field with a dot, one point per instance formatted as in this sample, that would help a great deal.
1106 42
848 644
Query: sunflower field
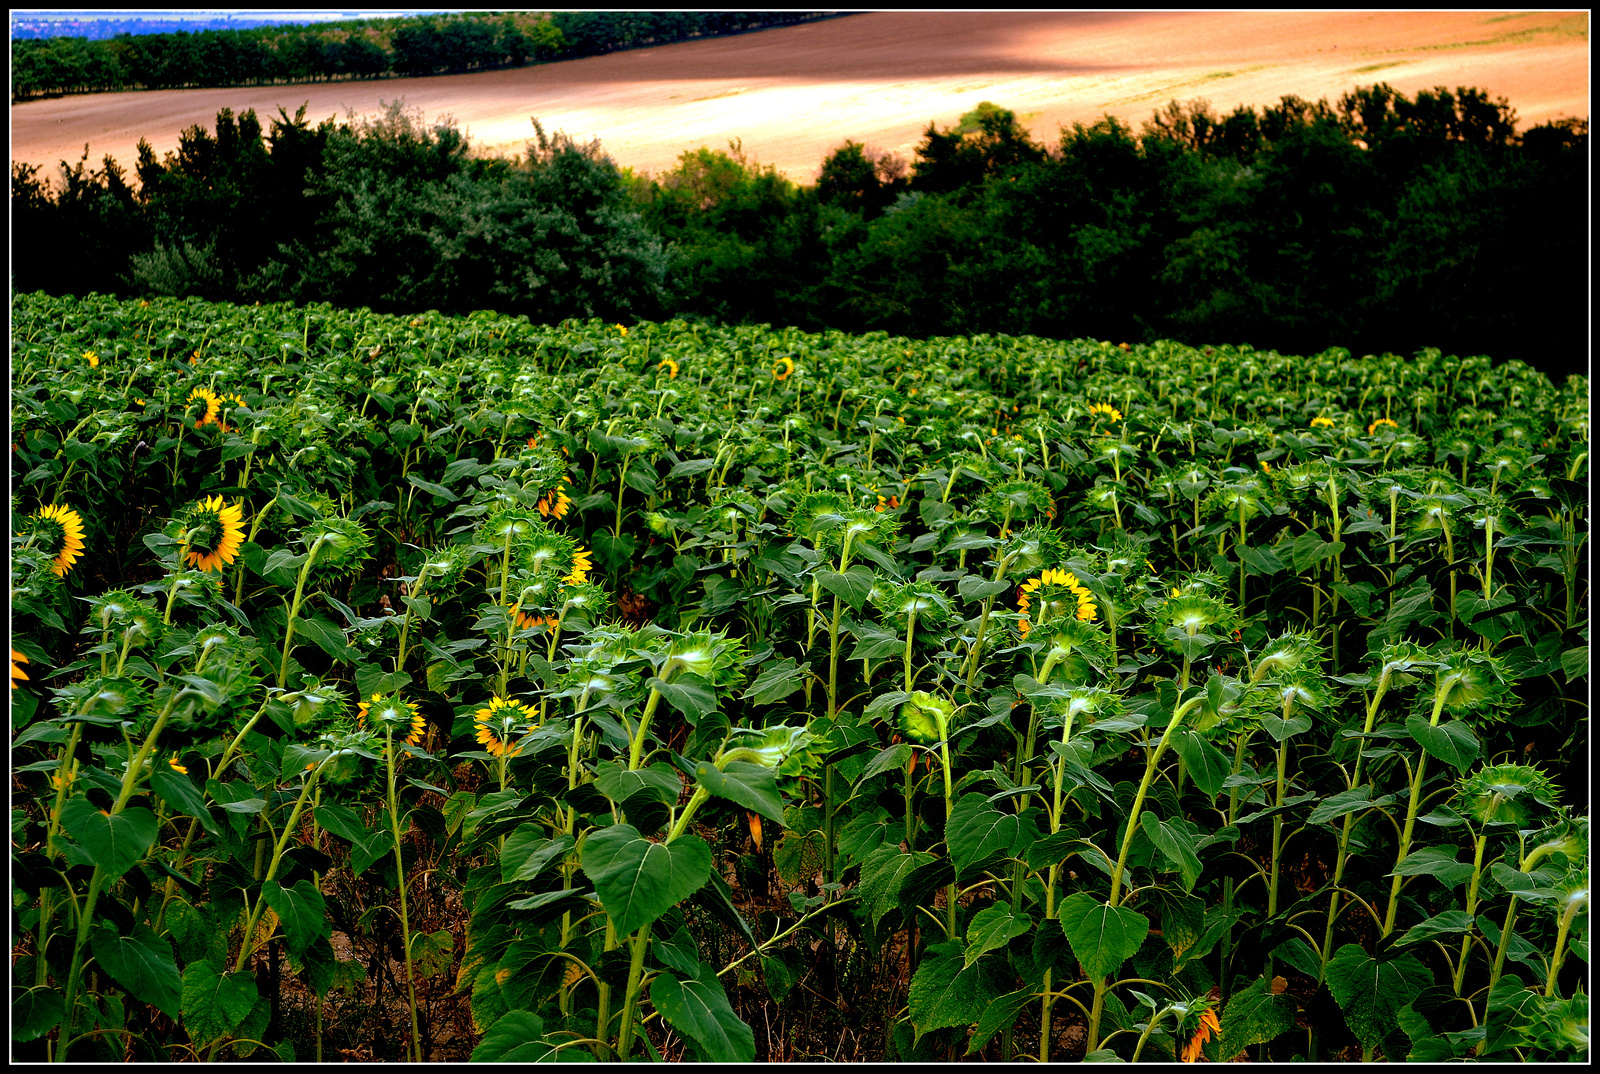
601 692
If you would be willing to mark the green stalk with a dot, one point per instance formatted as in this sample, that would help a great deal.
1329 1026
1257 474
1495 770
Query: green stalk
1559 955
1412 807
1472 911
636 751
1349 823
294 610
400 880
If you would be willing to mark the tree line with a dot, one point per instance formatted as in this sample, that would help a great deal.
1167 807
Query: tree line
1380 223
356 49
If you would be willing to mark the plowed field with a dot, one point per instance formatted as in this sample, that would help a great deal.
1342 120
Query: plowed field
793 94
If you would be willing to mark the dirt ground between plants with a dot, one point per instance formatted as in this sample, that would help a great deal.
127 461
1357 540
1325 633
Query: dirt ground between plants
794 94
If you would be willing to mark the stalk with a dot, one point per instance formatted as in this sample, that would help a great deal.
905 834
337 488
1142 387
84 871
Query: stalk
1411 808
1472 910
400 880
1349 824
294 610
1559 954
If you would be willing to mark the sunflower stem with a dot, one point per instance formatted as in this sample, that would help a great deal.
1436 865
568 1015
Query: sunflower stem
294 610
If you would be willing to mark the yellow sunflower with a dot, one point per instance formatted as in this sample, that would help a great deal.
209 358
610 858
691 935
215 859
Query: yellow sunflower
92 358
555 504
226 402
498 722
176 767
393 712
623 329
782 368
1322 423
1208 1025
17 674
528 622
1382 421
213 405
670 366
71 524
1084 600
213 534
581 566
1106 409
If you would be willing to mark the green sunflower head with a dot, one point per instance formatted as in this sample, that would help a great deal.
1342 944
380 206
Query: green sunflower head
1471 680
712 656
1506 794
925 718
1031 549
1286 653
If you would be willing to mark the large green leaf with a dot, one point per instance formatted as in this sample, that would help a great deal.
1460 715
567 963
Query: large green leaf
999 1014
1253 1016
778 679
431 952
1437 862
993 927
977 832
302 910
884 870
215 1003
142 963
1175 844
1102 937
852 587
1371 992
114 843
636 880
753 786
658 782
1453 743
1207 765
698 1008
528 852
36 1012
946 991
1451 921
689 694
1346 802
518 1037
181 796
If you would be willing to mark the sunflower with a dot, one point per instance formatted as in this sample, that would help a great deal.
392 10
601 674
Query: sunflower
782 368
1084 610
226 402
670 366
1381 422
213 534
213 405
92 358
393 712
1107 409
623 329
176 767
1322 423
17 674
530 622
498 722
1202 1033
580 567
71 545
556 502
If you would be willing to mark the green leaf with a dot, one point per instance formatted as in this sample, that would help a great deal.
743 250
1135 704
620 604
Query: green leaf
1347 802
852 587
658 782
998 1015
341 821
1207 765
215 1003
753 786
528 853
1371 992
1102 937
698 1008
1435 861
992 928
1309 549
142 963
518 1037
302 911
428 486
365 852
431 952
1451 921
1176 845
1451 743
679 953
881 876
778 679
946 991
978 832
371 679
689 694
1575 663
327 637
196 933
181 796
636 880
1253 1016
36 1012
114 842
891 759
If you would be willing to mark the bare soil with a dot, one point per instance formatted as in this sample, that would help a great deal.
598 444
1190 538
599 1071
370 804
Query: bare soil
794 94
